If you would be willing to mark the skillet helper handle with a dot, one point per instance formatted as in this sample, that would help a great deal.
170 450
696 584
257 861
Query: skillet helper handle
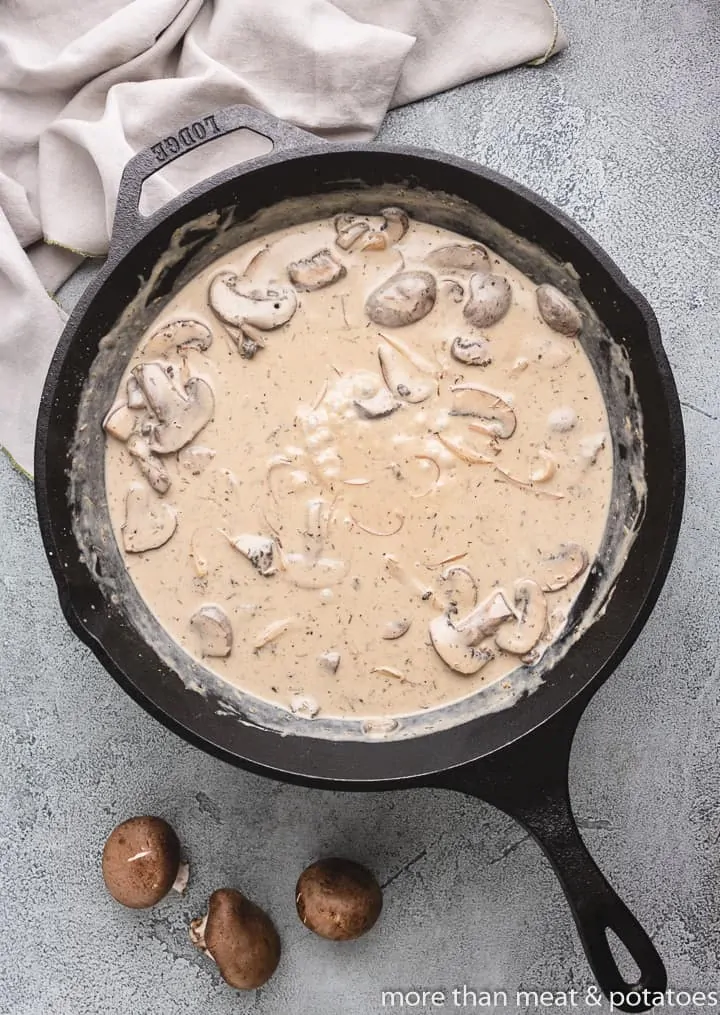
530 783
155 157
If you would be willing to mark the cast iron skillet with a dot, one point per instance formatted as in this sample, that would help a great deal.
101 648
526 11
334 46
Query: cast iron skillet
516 759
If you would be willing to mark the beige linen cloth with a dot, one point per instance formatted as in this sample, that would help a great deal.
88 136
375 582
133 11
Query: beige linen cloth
84 84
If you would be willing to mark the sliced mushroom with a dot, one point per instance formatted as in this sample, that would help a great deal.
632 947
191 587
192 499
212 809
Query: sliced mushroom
495 416
148 524
522 634
349 229
329 661
316 272
543 466
396 628
396 223
402 378
484 619
556 571
177 336
181 411
239 937
418 360
135 397
460 257
149 464
274 630
489 300
558 311
452 647
378 406
259 550
403 299
266 309
472 351
212 627
120 421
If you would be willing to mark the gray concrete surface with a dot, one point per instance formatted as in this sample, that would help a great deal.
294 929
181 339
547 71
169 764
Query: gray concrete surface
622 132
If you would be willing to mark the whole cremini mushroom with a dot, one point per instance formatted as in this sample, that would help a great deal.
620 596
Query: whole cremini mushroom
239 937
141 862
338 899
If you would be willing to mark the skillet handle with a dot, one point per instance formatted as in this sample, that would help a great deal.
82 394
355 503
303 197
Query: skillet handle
128 218
530 783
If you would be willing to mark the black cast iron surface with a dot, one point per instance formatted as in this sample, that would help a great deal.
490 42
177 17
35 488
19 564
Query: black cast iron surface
516 759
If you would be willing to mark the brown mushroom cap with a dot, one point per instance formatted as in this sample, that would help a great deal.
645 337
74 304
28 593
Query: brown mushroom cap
241 938
140 861
338 899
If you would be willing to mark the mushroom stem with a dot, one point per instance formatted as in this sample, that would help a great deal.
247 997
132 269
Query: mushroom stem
182 879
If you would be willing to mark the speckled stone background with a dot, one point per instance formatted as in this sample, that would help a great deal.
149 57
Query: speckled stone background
622 131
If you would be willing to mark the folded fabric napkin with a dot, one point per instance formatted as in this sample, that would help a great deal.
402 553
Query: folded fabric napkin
86 84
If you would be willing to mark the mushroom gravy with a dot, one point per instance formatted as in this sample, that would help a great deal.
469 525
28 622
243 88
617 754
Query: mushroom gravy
360 467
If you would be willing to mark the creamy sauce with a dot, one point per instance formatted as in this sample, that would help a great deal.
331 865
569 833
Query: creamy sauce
370 527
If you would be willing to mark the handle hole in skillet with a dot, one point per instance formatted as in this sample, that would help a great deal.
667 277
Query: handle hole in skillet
197 164
628 967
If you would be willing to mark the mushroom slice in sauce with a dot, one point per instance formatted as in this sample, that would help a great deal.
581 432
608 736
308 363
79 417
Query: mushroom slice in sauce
471 351
489 300
349 229
316 271
266 309
120 421
484 619
274 630
559 569
452 647
178 336
259 550
135 397
496 417
543 466
558 312
378 406
152 468
395 629
181 412
402 378
460 257
396 223
211 625
147 525
522 634
403 299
